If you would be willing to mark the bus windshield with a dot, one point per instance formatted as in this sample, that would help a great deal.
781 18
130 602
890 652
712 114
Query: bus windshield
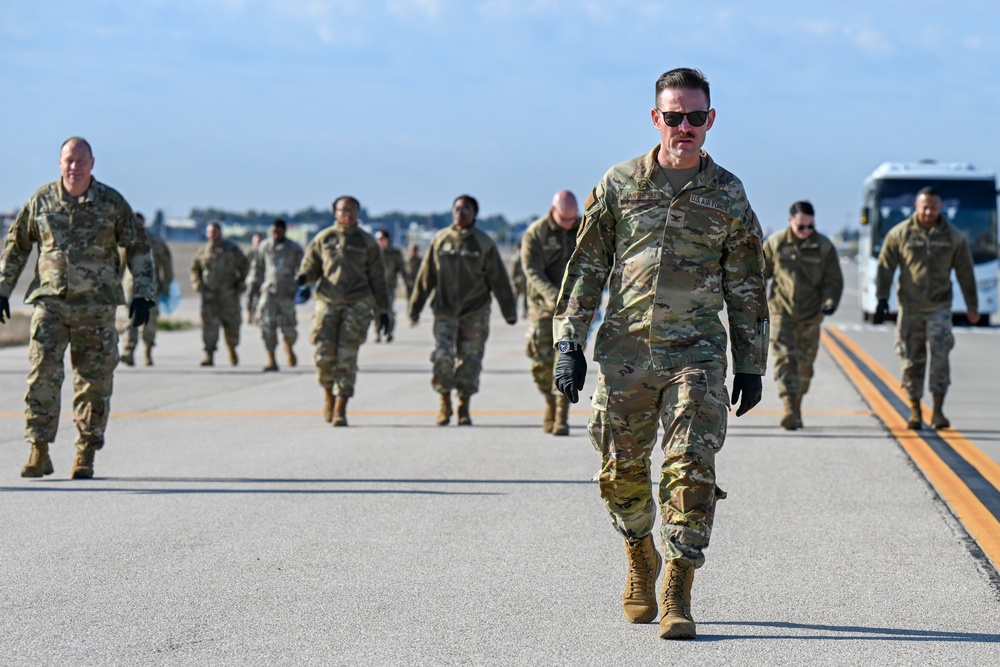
968 205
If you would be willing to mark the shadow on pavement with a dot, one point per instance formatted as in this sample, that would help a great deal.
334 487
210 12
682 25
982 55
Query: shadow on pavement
849 632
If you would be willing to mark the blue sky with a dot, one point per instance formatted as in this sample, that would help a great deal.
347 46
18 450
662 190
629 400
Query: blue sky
280 105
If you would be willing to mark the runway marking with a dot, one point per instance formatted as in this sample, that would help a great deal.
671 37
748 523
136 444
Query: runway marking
965 478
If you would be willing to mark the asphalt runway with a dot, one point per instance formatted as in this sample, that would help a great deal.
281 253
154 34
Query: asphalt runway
230 525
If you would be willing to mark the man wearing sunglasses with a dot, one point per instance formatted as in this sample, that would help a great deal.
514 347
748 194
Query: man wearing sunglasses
807 285
673 236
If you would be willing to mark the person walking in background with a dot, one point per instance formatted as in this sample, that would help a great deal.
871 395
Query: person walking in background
462 268
74 301
272 276
806 285
925 248
413 259
395 269
252 296
218 274
344 263
673 236
163 268
519 281
546 247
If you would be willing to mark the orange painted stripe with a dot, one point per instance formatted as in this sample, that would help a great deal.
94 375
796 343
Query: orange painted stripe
976 518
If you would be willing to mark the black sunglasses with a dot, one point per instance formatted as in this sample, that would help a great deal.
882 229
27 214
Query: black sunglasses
803 228
675 118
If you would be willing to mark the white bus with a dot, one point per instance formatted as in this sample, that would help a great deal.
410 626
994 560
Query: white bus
968 200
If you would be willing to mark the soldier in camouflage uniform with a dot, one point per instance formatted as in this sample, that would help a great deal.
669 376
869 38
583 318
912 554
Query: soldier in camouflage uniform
462 268
807 286
345 264
78 225
674 237
545 249
164 270
412 267
926 248
395 268
218 274
272 276
519 281
253 297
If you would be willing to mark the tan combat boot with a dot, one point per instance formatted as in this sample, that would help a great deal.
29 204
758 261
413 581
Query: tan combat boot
272 363
561 427
340 411
149 355
676 621
128 358
444 412
293 361
464 418
916 420
208 360
83 466
39 464
788 420
797 410
233 359
938 420
328 404
549 418
639 598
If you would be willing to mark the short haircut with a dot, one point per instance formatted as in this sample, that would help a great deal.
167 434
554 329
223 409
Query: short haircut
928 191
349 198
77 140
139 216
803 207
468 198
384 232
683 77
216 224
279 223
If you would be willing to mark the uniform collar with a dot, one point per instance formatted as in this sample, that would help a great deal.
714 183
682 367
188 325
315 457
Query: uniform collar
649 169
87 196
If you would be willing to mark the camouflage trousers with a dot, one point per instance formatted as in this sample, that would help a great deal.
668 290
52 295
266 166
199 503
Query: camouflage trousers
918 329
540 350
90 334
274 313
692 404
459 345
794 345
337 333
220 310
131 333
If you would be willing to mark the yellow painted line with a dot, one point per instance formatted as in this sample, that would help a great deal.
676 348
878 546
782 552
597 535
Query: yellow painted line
975 516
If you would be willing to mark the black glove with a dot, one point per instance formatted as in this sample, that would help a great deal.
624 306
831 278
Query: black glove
384 323
4 309
571 371
300 279
511 320
748 386
302 294
138 310
881 311
829 310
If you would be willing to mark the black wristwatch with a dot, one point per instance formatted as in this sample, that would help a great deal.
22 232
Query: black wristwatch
565 346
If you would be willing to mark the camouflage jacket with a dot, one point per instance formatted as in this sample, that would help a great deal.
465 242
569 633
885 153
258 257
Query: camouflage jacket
518 280
395 268
670 261
806 274
273 268
925 258
412 269
220 268
462 267
545 250
78 239
347 264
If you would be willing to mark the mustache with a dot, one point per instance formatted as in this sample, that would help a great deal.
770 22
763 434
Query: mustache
684 135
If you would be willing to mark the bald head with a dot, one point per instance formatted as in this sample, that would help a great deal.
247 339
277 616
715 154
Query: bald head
564 209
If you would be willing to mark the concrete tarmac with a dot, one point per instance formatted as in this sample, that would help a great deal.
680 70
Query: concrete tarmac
230 525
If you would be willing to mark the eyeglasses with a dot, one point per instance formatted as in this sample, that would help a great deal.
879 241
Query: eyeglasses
675 118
